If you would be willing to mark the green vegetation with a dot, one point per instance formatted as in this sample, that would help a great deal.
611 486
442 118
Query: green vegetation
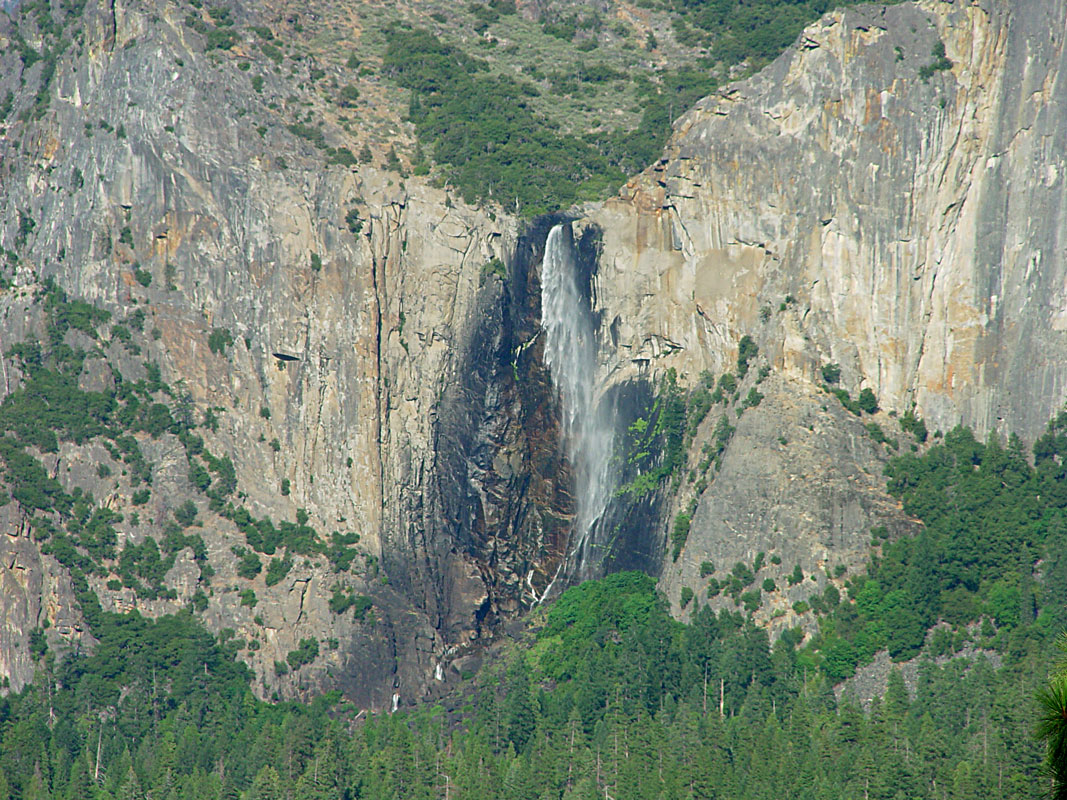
534 138
746 351
305 653
989 520
867 402
481 126
686 597
710 707
752 399
493 268
909 423
679 534
218 340
249 564
940 62
657 449
277 569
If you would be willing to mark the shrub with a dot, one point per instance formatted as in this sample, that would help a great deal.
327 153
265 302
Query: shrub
362 605
831 373
706 568
220 39
341 601
874 430
867 401
349 95
277 569
493 267
352 220
218 340
743 574
940 62
198 476
686 596
185 514
909 423
679 534
751 600
249 565
796 577
306 652
746 351
847 401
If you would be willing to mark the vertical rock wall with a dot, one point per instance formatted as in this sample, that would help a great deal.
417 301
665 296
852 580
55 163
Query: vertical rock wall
855 204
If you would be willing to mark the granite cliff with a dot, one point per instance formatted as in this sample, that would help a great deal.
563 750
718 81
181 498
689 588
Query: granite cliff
366 347
863 202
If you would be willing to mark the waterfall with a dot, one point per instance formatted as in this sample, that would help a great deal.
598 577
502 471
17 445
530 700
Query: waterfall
571 356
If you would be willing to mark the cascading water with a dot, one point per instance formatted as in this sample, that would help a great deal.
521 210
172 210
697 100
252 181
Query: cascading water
588 427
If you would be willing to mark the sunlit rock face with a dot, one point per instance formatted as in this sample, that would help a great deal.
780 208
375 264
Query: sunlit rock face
851 204
847 205
915 220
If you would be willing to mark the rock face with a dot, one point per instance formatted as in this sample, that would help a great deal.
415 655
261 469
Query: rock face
900 213
851 204
377 376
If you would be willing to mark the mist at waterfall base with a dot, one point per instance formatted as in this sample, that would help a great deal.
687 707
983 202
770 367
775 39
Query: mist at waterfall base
588 423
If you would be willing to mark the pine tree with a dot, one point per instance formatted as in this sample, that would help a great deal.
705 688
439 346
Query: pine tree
518 707
79 786
266 785
38 786
130 788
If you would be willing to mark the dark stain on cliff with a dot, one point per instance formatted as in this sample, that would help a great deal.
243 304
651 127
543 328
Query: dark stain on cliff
497 515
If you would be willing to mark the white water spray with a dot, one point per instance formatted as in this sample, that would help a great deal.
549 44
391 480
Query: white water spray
571 355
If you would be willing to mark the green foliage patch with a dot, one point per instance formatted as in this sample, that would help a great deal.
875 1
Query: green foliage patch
482 127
